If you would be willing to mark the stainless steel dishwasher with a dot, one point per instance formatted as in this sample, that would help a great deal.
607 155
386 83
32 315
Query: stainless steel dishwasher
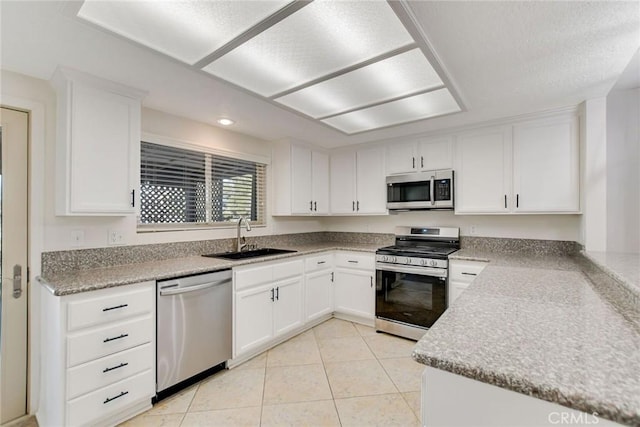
193 328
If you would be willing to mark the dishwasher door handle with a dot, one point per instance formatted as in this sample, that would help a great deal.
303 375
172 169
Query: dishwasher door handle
178 291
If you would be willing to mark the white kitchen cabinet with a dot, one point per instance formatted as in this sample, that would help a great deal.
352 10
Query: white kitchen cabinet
358 182
461 274
354 287
100 347
268 303
525 167
97 145
427 154
483 171
546 166
318 286
301 180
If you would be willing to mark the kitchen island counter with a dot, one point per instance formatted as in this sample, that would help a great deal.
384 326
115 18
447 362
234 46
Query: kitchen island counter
539 326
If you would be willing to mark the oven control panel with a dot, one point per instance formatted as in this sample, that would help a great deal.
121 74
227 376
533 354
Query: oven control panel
419 262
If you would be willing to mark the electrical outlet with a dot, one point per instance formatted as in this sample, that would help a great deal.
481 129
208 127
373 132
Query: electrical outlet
77 237
473 230
116 237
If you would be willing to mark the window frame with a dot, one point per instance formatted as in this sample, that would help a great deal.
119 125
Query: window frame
192 146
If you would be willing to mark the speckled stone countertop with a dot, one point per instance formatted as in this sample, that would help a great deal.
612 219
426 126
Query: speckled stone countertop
99 278
537 325
624 267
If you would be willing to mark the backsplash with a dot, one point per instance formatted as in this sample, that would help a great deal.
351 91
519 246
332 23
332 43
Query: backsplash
87 259
521 246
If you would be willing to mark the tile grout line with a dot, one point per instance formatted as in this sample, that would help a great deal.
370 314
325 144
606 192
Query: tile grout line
324 367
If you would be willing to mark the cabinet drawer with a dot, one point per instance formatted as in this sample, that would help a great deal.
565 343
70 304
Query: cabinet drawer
110 400
100 342
250 276
318 262
108 370
117 305
465 271
355 260
288 269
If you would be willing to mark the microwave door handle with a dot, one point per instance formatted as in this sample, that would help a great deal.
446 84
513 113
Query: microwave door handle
432 191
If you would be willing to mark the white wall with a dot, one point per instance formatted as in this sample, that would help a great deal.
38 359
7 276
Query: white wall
547 227
623 171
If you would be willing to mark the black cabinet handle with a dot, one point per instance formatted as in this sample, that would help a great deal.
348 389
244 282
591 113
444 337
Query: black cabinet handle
421 161
122 365
469 274
332 276
353 206
358 205
115 307
505 201
110 399
133 198
352 261
116 338
310 205
413 162
277 293
315 206
273 298
371 277
517 200
321 262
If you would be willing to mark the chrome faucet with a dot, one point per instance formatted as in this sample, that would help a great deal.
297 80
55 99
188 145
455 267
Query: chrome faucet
241 244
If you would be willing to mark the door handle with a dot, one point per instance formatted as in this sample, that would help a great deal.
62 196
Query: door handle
421 161
311 205
432 190
17 281
315 206
277 293
371 277
177 291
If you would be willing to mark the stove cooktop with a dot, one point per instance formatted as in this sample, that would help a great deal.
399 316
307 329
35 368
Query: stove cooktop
418 251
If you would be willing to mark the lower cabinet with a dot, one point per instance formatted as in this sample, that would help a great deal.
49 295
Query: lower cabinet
354 288
461 274
99 368
318 294
268 303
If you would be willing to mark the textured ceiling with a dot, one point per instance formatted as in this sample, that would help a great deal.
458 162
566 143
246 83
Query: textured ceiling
505 58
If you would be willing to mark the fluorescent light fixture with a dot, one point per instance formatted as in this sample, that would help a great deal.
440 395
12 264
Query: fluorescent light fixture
225 121
185 30
319 39
401 75
404 110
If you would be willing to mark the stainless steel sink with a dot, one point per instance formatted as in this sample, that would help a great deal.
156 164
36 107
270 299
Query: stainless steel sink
255 253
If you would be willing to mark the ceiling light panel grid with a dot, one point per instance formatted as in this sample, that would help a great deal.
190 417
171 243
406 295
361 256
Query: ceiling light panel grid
404 110
401 75
320 39
185 30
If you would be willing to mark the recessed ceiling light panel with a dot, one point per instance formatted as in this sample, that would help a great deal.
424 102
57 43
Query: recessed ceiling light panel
405 110
400 75
185 30
319 39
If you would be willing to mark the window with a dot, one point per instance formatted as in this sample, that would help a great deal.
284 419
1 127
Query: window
188 187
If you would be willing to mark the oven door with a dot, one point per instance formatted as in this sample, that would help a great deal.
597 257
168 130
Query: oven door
414 296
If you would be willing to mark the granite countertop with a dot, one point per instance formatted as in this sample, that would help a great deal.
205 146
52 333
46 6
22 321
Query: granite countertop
624 267
537 325
89 280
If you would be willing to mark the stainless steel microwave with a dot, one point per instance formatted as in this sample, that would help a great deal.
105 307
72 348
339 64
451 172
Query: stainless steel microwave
420 191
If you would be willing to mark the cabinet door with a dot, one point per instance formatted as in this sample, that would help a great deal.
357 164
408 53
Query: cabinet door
343 183
371 184
320 182
401 158
300 180
318 294
103 148
455 290
254 318
435 154
354 293
483 172
545 166
288 306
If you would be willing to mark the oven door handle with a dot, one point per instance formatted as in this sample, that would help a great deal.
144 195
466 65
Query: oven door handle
421 271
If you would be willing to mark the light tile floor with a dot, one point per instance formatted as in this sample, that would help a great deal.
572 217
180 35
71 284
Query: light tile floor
336 374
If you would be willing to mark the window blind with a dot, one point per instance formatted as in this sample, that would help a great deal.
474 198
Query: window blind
180 186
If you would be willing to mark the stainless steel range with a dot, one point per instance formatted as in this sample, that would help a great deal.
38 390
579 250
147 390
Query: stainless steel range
411 279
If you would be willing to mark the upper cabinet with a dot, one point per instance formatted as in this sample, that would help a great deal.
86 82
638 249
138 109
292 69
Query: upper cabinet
424 155
301 180
527 167
358 182
98 145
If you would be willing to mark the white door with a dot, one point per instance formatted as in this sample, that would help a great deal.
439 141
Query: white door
254 318
483 171
355 293
301 202
401 158
13 233
435 153
288 306
371 183
318 294
343 183
320 182
545 166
